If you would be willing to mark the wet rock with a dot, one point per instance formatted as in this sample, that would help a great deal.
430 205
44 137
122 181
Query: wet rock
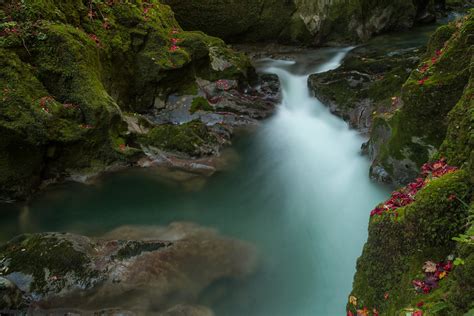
189 132
366 82
131 268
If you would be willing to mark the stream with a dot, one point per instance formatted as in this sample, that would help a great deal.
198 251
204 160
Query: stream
297 187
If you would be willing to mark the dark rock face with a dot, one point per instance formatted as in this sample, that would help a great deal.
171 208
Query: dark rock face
147 269
302 21
228 19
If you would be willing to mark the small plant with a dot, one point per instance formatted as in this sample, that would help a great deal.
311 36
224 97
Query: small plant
200 104
468 236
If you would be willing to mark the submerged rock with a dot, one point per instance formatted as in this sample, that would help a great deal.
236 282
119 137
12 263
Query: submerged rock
10 295
146 269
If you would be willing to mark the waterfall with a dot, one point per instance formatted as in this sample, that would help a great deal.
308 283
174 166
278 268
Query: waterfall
317 159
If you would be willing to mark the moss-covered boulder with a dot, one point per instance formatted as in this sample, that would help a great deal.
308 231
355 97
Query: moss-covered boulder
70 68
438 88
400 243
149 269
193 138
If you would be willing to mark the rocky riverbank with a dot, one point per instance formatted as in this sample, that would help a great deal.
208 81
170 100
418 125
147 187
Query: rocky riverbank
93 86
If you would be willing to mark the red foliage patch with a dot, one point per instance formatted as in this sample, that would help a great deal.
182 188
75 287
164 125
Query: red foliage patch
406 195
95 39
422 81
434 272
44 102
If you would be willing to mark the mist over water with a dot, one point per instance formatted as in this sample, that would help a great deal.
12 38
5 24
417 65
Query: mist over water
300 192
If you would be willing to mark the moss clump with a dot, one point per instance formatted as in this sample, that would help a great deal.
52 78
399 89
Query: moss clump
200 104
458 145
135 248
191 138
52 261
396 249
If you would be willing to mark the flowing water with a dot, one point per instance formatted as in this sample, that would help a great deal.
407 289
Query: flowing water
299 191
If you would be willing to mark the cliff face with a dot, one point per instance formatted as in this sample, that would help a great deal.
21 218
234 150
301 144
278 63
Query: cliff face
81 81
302 21
419 257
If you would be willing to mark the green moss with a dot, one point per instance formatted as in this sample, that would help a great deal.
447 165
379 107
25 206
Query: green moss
396 249
459 142
187 138
43 256
439 38
200 104
420 126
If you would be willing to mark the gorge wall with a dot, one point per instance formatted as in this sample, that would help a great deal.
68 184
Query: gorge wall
419 256
302 21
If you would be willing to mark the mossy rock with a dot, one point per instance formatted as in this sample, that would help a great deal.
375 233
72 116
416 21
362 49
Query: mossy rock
200 104
397 247
458 145
46 264
428 96
193 138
